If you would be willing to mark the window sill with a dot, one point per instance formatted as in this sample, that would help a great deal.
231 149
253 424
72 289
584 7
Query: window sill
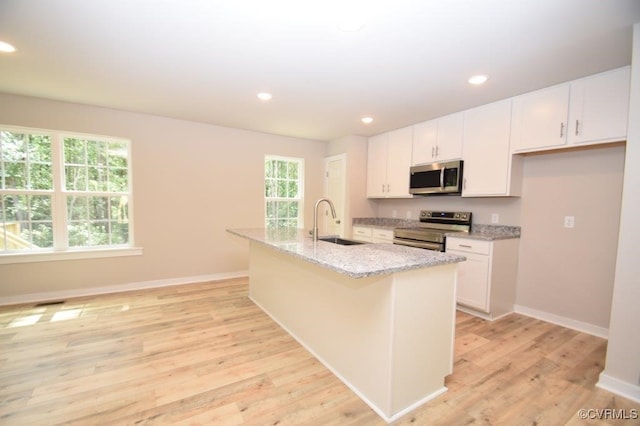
6 259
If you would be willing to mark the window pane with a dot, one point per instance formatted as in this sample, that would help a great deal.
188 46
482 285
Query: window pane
99 234
77 208
118 154
40 176
293 170
74 151
39 147
13 146
283 209
270 168
282 169
119 233
98 208
75 178
271 209
15 175
118 180
26 222
282 188
293 189
120 209
270 189
97 153
78 234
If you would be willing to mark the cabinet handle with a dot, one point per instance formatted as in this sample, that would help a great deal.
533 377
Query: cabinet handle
437 151
383 187
577 127
433 150
465 245
561 130
388 188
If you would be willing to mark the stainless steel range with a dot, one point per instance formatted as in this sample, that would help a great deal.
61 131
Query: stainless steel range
430 232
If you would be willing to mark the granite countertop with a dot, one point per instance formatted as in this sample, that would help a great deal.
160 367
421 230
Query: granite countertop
356 261
478 231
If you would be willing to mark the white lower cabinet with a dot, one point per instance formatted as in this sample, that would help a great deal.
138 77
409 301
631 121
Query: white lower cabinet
362 233
369 234
381 235
487 279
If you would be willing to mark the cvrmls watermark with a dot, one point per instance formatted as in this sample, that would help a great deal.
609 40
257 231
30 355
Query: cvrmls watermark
608 414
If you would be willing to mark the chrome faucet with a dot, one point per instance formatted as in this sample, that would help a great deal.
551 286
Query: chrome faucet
315 216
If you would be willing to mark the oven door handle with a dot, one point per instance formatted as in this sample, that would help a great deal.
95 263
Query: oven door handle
442 178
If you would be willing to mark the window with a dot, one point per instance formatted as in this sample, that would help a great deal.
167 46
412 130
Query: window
283 192
61 191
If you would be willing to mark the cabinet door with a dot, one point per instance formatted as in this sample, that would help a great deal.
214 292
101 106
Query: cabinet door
599 107
425 137
473 280
382 235
361 233
486 154
377 166
450 130
399 149
540 119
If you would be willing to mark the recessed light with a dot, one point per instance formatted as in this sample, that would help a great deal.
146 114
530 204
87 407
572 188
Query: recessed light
477 80
367 120
6 47
264 96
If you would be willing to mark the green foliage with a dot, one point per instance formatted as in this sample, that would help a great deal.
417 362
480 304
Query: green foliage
26 165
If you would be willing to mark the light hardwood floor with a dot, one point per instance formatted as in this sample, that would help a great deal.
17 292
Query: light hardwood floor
205 354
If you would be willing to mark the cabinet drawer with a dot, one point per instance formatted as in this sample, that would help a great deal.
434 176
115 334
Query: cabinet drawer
469 245
361 233
383 235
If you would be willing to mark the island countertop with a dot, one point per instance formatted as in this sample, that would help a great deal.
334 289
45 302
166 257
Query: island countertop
356 261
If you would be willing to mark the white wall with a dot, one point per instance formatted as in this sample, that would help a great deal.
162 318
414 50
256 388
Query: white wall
191 181
622 369
569 272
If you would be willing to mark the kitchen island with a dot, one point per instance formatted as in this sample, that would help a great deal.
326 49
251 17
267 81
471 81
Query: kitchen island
379 316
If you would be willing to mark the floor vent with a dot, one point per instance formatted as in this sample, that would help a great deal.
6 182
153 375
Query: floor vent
53 302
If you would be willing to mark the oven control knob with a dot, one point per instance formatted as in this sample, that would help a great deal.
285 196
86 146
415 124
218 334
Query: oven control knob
457 216
464 216
425 214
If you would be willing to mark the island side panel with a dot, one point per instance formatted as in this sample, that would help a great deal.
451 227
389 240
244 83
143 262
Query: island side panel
344 322
423 334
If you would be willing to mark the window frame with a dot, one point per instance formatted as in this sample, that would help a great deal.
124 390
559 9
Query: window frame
59 194
300 182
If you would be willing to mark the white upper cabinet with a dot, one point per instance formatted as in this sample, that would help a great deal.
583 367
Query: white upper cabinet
389 160
489 167
590 110
438 140
539 119
599 108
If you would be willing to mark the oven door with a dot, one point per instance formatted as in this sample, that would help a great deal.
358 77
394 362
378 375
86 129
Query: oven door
419 244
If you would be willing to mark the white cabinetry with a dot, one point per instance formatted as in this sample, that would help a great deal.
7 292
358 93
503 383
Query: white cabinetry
372 234
489 167
382 235
599 108
592 110
539 119
438 140
388 163
487 279
362 233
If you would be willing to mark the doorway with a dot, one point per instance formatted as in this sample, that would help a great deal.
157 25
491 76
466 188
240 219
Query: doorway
335 189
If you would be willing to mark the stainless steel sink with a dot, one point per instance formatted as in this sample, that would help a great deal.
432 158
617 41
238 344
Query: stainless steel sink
340 241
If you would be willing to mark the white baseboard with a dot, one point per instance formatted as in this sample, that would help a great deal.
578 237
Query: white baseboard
94 291
624 389
583 327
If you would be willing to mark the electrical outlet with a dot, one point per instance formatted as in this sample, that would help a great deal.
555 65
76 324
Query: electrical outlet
495 218
409 214
569 221
394 213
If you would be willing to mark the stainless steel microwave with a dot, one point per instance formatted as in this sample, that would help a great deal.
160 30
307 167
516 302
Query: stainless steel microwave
436 178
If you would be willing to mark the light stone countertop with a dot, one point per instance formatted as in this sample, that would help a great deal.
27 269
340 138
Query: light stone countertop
356 261
478 231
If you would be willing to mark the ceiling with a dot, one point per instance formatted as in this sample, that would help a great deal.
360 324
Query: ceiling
205 60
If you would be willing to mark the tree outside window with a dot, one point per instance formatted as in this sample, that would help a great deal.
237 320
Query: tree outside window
284 185
61 191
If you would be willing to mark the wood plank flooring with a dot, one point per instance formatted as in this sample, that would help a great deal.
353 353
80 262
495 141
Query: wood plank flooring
204 354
